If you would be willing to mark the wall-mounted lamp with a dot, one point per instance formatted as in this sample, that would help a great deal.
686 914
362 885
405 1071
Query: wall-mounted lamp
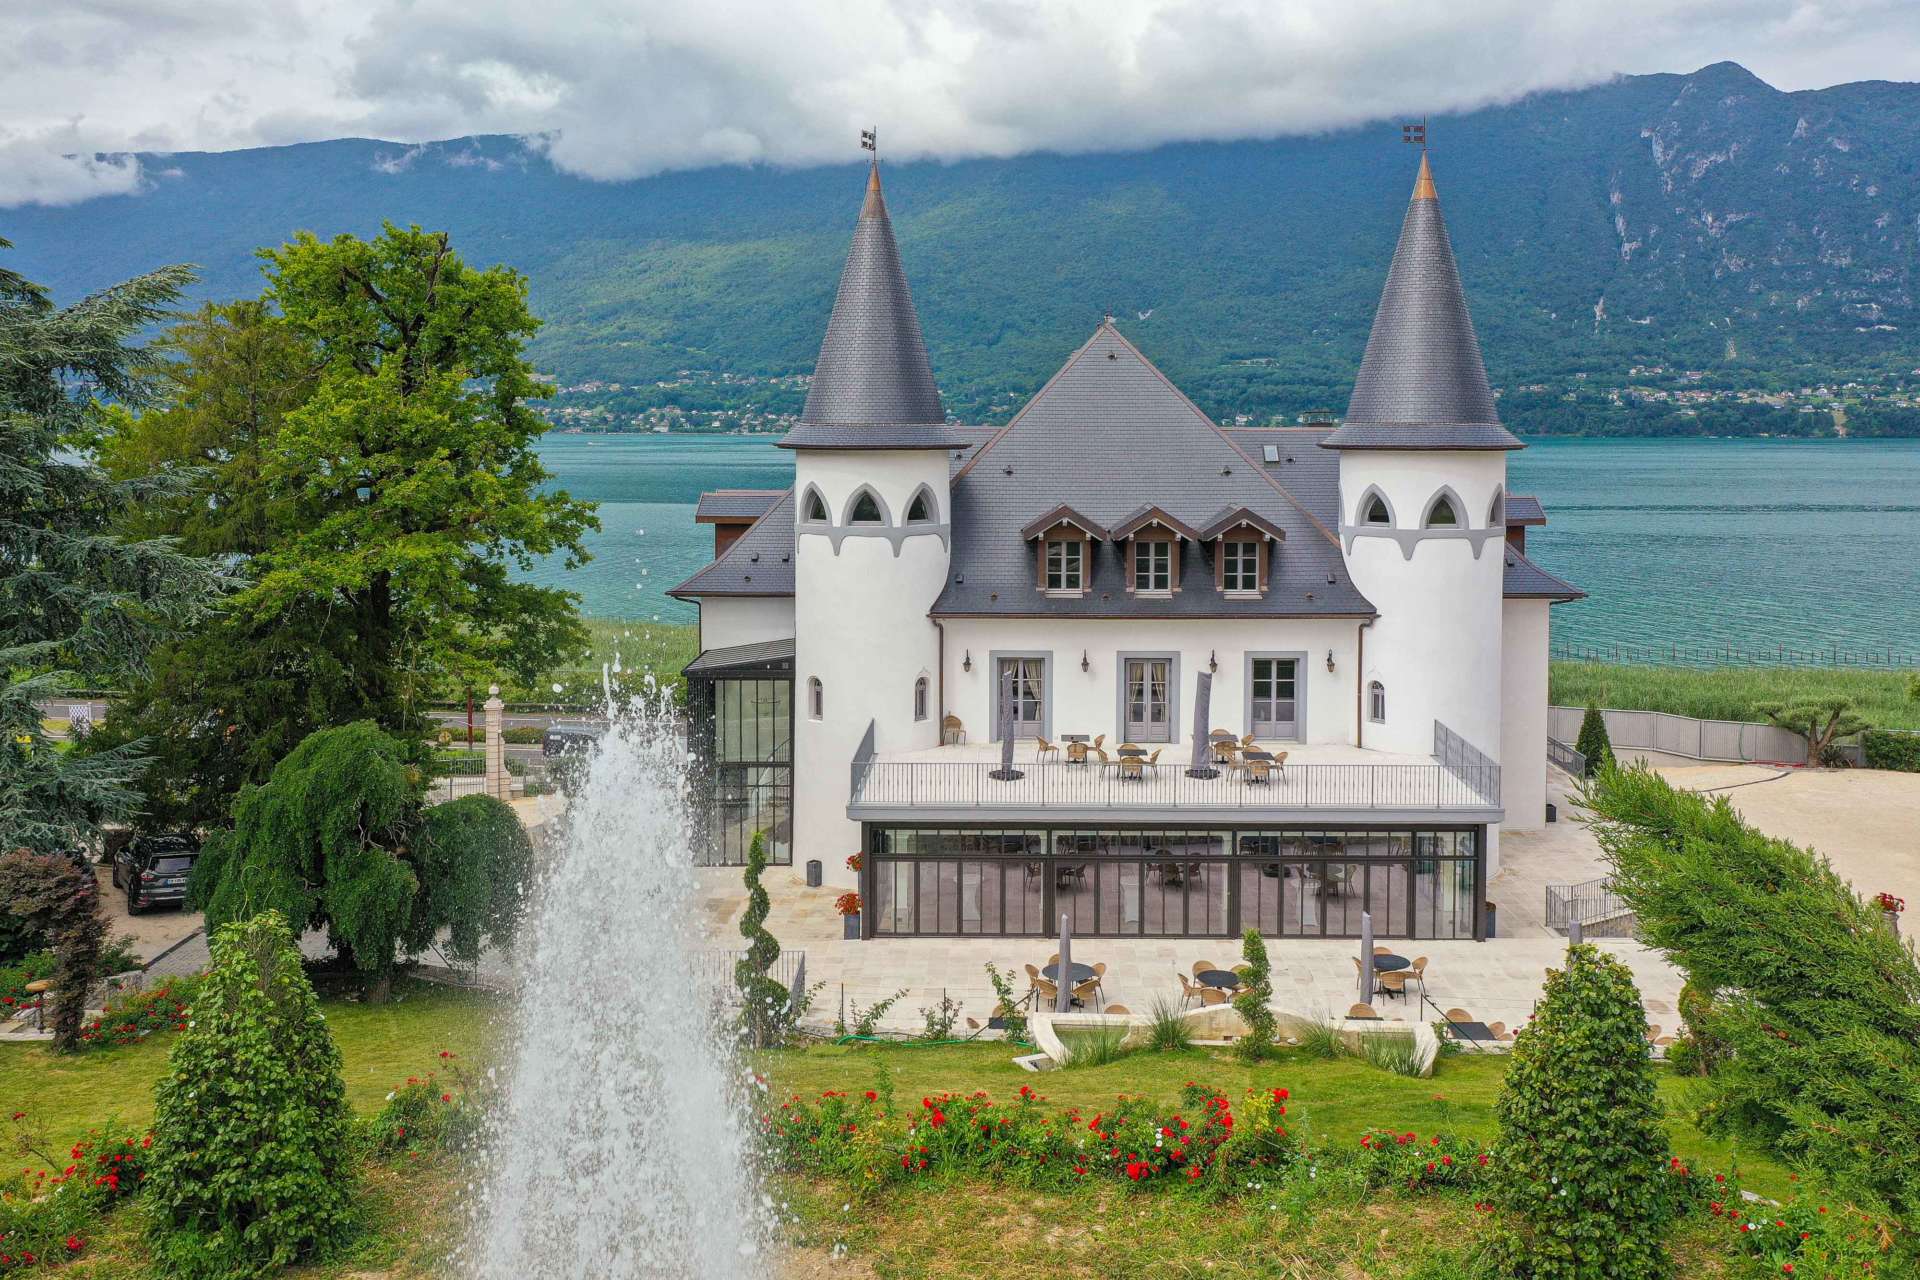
1329 659
1084 664
966 663
1213 663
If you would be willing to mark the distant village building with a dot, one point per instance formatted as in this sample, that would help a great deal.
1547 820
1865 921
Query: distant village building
1343 616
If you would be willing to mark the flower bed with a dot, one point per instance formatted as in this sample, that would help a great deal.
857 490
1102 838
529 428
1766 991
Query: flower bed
132 1016
48 1210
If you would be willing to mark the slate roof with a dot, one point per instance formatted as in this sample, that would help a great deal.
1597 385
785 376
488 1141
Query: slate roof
760 562
1524 508
1526 580
1421 383
872 386
774 654
729 506
1105 432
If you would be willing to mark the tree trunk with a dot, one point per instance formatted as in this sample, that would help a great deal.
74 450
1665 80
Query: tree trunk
379 989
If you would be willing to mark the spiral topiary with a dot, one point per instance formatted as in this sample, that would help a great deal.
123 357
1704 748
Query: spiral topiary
763 1000
1252 1003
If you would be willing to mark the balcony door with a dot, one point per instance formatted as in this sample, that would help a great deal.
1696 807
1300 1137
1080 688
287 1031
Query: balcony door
1148 699
1273 703
1029 676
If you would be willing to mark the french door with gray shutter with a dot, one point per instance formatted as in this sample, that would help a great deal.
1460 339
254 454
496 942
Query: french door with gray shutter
1275 711
1149 712
1029 695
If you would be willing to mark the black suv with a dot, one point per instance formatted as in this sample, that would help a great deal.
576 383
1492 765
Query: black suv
570 739
153 870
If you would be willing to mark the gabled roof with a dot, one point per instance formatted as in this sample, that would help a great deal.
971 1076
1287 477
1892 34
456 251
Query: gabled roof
731 506
1422 384
1524 509
1064 514
1526 580
1235 517
1148 516
872 386
1107 433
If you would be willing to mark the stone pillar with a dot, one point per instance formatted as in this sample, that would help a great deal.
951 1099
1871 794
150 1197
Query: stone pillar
495 783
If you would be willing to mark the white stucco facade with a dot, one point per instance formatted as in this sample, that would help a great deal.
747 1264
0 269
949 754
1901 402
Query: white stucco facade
1523 738
726 621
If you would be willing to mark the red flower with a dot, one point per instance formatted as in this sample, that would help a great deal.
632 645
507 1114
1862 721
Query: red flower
1137 1169
939 1118
73 1244
872 1096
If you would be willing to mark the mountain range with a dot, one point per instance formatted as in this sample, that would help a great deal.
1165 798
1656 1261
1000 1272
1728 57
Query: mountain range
1704 222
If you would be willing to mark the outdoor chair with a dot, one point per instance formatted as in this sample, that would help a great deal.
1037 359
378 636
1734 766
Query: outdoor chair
1201 966
1458 1015
1498 1030
1224 751
1418 972
1363 1011
1041 990
1246 742
1188 992
1213 995
1041 748
1116 1010
1076 753
1392 984
1099 740
1383 951
952 732
1279 762
1153 761
1132 767
1258 772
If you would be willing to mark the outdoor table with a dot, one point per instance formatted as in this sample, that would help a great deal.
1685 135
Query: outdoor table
1073 737
1131 751
1390 962
1078 740
1080 972
1225 979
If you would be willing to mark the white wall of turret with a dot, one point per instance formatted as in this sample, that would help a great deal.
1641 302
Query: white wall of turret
862 593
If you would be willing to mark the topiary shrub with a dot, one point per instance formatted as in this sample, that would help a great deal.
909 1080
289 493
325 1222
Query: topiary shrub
1252 1003
59 901
1582 1149
1899 751
763 999
1593 742
252 1165
1821 721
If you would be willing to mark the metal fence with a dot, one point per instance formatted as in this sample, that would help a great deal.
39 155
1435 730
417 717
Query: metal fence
1565 757
1466 762
713 972
1600 911
1674 655
1674 735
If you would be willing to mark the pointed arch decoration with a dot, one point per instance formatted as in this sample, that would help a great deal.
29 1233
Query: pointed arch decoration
1375 511
1445 510
1497 509
923 507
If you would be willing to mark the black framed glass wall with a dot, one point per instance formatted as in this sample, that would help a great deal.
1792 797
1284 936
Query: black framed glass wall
744 727
1174 882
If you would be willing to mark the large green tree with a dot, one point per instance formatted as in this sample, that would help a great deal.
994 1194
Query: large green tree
365 442
74 595
339 838
1814 998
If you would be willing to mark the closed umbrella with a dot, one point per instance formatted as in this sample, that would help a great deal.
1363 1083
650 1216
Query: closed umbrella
1063 980
1202 766
1366 957
1006 772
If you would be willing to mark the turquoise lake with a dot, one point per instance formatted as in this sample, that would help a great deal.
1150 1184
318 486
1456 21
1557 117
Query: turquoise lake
1749 544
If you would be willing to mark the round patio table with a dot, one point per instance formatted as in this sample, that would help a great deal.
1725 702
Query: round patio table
1080 972
1225 979
1388 963
1131 751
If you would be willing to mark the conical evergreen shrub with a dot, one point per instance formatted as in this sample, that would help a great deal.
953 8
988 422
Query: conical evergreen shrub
1582 1150
1593 742
251 1165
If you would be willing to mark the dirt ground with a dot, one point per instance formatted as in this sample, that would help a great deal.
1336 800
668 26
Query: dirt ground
1866 821
152 931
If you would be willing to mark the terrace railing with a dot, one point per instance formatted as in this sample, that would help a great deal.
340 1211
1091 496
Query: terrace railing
1593 903
1466 761
1055 785
1562 756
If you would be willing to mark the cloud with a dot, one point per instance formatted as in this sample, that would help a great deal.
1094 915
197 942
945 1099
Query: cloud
622 88
36 169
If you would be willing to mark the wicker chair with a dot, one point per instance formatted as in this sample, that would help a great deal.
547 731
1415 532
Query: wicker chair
1041 748
952 732
1188 992
1257 772
1201 966
1364 1012
1117 1010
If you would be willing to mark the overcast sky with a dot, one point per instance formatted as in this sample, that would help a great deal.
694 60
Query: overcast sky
622 88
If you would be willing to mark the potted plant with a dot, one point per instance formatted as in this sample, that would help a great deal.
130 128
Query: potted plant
855 861
848 905
1893 907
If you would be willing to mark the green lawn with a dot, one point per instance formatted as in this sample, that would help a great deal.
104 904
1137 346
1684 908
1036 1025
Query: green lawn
1732 693
380 1046
1337 1099
660 648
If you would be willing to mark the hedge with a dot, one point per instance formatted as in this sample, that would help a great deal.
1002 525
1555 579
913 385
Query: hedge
1885 750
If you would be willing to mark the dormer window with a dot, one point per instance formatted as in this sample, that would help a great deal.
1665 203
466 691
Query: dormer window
1153 565
1066 564
1442 514
866 509
1240 565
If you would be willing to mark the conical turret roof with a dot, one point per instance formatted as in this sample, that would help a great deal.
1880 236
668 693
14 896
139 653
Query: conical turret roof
1421 384
872 385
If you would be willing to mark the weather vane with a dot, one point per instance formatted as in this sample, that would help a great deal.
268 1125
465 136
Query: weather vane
1415 133
870 141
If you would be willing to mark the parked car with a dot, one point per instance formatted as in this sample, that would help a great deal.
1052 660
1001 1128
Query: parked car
153 870
570 739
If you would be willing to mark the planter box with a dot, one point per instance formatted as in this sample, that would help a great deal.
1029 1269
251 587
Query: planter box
851 926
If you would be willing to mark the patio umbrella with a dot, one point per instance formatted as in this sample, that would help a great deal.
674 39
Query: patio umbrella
1573 932
1202 766
1063 983
1006 772
1366 957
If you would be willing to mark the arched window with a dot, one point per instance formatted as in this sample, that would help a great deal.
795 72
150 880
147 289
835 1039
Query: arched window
920 698
1374 509
1497 512
1442 514
815 509
816 699
920 510
1377 702
865 509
